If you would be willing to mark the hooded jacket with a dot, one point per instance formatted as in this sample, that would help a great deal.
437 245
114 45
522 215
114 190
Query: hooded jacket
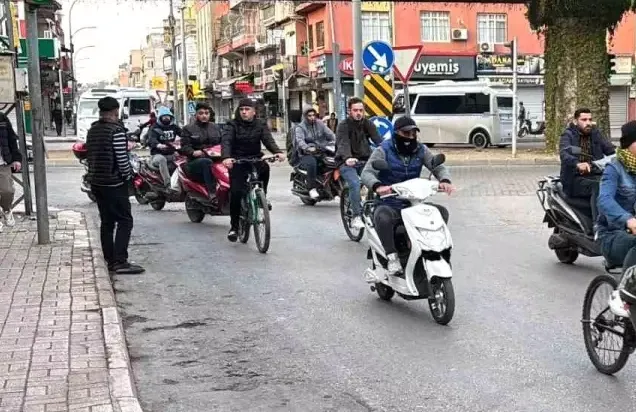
242 139
163 134
311 134
8 142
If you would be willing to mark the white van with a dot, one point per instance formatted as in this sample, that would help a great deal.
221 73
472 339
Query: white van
135 107
449 112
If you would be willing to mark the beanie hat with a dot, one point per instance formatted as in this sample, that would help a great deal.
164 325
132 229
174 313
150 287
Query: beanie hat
107 104
628 134
246 103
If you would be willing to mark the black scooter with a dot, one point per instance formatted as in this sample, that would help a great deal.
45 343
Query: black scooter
527 129
570 217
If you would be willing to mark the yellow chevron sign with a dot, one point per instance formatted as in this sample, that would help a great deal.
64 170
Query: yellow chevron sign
378 95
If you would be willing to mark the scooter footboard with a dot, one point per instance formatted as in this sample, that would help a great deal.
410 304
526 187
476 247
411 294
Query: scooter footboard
437 268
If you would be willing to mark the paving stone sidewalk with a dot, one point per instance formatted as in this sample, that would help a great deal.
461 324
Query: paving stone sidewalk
61 339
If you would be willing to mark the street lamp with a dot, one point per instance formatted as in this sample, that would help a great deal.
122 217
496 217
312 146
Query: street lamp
79 30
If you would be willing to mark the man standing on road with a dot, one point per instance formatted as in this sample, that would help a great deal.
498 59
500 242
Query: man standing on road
109 174
9 162
353 150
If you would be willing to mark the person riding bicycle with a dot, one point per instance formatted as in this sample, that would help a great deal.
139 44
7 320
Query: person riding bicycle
161 139
576 176
406 158
242 138
311 135
197 136
616 223
352 149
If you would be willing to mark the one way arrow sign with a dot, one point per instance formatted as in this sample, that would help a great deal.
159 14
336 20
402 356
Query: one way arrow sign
406 57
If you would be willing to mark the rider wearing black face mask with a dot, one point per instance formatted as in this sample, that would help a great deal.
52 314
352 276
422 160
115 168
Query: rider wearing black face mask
406 158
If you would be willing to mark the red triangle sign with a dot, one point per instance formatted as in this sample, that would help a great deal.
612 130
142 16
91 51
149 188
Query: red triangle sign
405 59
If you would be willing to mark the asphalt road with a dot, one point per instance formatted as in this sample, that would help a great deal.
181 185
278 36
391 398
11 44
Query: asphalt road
214 326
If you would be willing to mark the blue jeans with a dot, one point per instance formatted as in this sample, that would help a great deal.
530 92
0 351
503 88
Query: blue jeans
351 176
618 248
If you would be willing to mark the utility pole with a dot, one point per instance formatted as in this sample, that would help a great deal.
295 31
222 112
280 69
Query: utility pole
35 93
173 59
184 64
19 115
335 48
358 72
515 108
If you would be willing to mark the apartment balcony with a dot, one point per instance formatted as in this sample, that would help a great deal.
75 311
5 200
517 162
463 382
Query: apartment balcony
266 42
278 13
296 64
305 7
268 15
243 40
234 4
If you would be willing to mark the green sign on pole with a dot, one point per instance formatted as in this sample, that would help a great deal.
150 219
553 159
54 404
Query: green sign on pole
38 2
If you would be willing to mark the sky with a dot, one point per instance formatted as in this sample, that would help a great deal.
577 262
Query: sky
121 25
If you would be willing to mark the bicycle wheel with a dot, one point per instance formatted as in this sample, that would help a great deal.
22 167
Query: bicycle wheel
604 328
346 216
245 221
262 225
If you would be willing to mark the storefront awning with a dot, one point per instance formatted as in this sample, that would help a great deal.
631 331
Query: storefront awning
230 82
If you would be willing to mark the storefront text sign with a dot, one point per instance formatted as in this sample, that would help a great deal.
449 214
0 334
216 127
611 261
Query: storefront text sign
445 68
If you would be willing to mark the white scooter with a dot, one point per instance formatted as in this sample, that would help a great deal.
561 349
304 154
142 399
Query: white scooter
424 246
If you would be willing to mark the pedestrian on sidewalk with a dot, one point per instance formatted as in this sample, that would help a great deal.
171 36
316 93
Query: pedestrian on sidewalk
57 118
9 163
109 174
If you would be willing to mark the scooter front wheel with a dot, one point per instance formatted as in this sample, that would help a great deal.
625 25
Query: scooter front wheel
442 300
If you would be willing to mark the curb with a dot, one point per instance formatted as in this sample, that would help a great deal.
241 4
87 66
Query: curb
503 162
123 392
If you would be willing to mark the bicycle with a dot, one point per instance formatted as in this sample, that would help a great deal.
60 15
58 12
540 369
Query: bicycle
346 213
252 203
605 326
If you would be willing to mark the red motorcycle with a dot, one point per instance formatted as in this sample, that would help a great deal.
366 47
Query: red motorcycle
198 201
149 185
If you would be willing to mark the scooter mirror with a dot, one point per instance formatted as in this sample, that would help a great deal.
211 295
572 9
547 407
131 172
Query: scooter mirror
439 160
380 165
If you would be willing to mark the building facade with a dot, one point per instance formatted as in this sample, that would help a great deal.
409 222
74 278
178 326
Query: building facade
282 50
153 76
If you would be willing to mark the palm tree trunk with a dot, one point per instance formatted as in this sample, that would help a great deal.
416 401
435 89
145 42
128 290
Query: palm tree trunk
576 76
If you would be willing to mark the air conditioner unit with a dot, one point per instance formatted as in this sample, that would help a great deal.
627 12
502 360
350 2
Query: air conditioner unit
48 34
486 47
459 34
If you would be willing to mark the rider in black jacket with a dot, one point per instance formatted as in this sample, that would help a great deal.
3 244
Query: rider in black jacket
200 135
242 139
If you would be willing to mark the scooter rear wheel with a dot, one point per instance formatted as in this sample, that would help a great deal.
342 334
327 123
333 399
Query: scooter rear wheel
195 214
442 301
384 292
567 256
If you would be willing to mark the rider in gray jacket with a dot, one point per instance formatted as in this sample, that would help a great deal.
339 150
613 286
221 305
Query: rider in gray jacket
310 136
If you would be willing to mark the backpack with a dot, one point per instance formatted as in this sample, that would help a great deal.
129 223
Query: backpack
290 140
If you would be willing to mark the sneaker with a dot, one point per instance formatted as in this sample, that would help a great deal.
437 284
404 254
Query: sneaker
617 306
232 235
128 268
9 219
1 227
313 193
357 223
394 266
269 205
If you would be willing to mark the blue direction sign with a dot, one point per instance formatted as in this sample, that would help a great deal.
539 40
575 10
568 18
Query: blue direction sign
384 126
378 57
191 108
